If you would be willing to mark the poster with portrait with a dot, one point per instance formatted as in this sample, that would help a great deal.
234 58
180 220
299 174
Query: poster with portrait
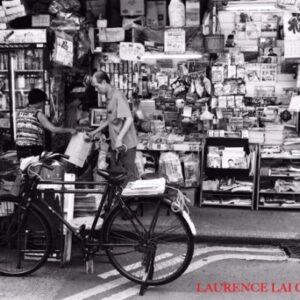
98 116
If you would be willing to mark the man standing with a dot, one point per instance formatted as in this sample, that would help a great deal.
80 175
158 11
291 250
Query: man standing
120 125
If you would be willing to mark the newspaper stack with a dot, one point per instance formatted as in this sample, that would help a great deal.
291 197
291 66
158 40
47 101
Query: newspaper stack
256 136
12 9
274 134
145 187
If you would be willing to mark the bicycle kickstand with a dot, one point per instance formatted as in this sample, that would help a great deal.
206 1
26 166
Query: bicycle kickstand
89 264
148 275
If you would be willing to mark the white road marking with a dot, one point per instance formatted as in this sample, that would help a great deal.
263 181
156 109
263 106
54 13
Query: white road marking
104 287
197 252
132 266
200 263
130 292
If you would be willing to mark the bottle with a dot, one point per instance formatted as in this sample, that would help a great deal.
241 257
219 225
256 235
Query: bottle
176 12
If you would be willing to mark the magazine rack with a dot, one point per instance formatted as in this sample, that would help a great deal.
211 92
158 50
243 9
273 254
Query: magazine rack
227 198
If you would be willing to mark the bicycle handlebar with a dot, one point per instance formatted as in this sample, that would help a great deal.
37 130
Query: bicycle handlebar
53 156
47 167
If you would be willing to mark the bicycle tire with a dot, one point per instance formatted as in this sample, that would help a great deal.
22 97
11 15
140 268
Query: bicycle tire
25 237
172 238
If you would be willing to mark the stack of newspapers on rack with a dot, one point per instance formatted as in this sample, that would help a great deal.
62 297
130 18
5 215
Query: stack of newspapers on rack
145 187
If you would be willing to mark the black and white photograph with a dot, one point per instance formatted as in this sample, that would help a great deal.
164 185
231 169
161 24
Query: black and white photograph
171 172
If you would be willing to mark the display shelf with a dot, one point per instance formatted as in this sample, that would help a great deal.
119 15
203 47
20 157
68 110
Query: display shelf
19 90
279 176
242 174
226 172
280 207
22 65
163 55
30 71
279 193
228 193
281 158
226 205
266 183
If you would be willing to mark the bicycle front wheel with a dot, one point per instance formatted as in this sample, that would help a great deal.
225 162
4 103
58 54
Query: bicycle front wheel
133 244
25 238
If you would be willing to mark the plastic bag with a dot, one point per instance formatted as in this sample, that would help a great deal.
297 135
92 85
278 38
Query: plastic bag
83 45
169 164
140 163
64 6
64 49
191 164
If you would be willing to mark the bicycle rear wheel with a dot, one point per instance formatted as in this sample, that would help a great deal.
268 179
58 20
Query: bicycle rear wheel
170 246
25 238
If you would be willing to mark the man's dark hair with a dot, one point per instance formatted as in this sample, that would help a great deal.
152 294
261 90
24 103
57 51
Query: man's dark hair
101 76
36 96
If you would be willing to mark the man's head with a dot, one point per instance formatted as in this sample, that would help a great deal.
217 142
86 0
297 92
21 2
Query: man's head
101 82
271 51
36 96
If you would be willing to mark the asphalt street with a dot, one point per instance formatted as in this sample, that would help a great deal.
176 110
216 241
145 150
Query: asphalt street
217 272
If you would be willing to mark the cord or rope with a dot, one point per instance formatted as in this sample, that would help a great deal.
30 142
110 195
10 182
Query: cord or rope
180 202
32 173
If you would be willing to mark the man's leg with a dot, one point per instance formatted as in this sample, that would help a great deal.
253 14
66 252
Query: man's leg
127 160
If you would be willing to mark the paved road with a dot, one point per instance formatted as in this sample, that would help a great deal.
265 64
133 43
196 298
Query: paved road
216 272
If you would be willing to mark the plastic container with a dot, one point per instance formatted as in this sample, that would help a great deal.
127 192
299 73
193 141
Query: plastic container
176 12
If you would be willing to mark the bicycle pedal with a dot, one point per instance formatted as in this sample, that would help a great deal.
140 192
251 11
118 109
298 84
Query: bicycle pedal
89 266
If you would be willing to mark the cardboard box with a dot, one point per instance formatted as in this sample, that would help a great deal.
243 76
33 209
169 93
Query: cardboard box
132 7
11 3
40 20
156 13
14 10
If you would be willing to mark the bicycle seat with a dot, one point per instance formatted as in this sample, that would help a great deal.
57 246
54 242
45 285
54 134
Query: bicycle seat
113 177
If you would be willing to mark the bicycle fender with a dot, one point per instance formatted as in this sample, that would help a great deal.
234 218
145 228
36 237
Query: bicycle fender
186 216
191 224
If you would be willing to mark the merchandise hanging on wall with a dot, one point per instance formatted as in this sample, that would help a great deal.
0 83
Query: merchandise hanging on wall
63 49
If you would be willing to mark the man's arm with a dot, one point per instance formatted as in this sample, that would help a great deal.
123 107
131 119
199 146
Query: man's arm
100 128
125 128
54 129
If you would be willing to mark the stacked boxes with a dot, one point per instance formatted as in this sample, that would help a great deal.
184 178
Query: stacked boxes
13 9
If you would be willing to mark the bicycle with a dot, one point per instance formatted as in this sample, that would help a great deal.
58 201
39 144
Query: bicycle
151 248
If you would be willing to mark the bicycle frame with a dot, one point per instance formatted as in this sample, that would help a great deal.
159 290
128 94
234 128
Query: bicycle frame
107 197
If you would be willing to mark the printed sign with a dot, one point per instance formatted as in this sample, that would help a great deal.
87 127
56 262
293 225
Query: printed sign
288 4
131 51
111 35
64 50
295 104
175 40
292 35
23 36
